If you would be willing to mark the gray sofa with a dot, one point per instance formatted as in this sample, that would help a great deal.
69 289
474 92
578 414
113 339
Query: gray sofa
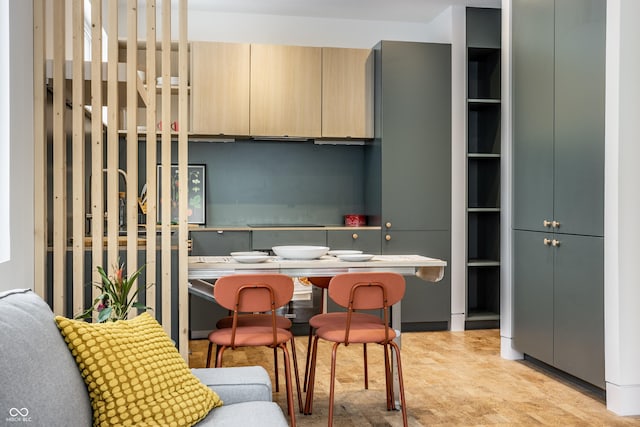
40 382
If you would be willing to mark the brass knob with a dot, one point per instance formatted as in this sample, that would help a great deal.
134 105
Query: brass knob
388 225
387 237
555 224
354 236
546 223
547 241
555 243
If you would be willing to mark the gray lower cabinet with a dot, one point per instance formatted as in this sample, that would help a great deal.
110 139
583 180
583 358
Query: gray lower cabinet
266 239
559 301
220 243
367 241
203 314
426 305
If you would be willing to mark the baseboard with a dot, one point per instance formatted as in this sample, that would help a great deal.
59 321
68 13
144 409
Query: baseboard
623 400
198 335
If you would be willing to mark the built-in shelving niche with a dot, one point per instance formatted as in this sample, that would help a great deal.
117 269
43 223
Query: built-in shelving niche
483 168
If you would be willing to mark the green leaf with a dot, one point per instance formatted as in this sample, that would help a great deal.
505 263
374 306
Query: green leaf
104 315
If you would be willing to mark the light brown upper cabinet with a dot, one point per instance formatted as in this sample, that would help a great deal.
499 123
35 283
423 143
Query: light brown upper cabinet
347 93
286 91
220 88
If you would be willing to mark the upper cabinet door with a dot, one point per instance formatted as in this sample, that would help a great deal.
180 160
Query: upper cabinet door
347 93
286 91
579 116
220 88
533 108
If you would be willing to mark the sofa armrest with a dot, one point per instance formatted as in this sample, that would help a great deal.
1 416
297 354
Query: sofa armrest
237 384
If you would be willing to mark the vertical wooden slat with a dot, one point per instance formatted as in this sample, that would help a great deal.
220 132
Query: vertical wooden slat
59 160
166 166
40 150
78 190
112 135
132 138
97 145
151 155
183 160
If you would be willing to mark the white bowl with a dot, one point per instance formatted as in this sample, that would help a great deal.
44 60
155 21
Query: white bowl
300 252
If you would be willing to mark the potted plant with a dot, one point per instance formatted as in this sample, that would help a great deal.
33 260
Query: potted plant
118 295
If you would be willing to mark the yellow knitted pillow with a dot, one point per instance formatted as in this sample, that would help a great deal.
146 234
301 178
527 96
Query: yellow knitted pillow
134 373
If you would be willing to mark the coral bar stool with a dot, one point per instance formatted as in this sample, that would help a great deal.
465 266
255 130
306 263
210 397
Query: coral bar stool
362 291
255 293
326 319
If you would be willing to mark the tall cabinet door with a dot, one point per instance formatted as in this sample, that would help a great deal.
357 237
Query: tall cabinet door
416 135
579 116
533 320
533 108
578 310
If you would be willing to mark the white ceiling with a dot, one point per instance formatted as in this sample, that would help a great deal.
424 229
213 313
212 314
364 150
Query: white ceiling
371 10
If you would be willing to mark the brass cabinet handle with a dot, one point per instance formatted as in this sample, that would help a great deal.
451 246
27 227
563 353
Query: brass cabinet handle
555 224
546 223
387 237
354 236
388 224
555 243
546 241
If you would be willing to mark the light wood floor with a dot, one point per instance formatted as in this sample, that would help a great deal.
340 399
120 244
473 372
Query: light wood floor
451 379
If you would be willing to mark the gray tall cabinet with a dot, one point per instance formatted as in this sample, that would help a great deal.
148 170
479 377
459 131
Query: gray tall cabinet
558 183
409 168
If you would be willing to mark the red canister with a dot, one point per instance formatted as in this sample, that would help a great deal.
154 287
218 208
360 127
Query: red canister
355 220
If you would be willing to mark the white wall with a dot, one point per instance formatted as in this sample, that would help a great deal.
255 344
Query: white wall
301 31
17 127
622 207
5 118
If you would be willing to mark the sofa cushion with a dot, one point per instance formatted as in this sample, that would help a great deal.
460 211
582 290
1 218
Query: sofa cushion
237 384
263 414
39 379
134 373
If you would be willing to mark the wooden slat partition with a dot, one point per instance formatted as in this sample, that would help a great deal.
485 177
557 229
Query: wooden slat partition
77 156
183 160
152 146
111 164
112 136
59 161
97 145
166 166
39 150
132 139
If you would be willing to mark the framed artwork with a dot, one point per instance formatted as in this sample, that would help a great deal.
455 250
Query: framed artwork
196 207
